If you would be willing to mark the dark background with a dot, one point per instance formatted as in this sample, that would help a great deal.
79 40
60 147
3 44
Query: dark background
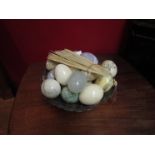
138 47
24 42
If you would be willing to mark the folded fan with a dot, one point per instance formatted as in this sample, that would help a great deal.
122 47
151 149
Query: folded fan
71 59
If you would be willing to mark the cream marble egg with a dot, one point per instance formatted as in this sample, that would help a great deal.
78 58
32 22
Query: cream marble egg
50 88
110 66
62 73
91 94
106 82
50 65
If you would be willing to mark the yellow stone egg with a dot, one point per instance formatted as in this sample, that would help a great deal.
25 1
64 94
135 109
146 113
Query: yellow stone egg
106 82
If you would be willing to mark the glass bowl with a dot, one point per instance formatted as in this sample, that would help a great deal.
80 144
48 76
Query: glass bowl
77 107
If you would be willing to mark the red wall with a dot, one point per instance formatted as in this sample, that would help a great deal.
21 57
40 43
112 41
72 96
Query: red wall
28 41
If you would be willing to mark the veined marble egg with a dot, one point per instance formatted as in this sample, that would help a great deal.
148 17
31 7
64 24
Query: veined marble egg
110 66
50 65
50 74
106 82
90 57
69 96
50 88
62 73
77 82
91 94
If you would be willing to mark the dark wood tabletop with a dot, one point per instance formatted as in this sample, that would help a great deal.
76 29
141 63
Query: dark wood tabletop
130 111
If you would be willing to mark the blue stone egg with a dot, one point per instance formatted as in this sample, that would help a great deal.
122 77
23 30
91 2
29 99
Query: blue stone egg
90 57
50 74
77 82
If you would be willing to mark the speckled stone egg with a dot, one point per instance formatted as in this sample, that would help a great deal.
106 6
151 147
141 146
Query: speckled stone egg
77 82
50 65
50 88
90 57
91 94
106 82
62 73
69 96
110 66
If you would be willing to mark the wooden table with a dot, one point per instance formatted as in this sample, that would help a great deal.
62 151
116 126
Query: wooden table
130 111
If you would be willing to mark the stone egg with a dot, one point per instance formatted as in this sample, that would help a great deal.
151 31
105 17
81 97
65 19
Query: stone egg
50 88
106 82
90 57
91 94
50 74
69 96
77 82
78 52
90 76
88 83
62 73
110 66
50 65
115 83
73 69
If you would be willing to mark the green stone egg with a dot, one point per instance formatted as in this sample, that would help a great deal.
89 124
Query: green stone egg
69 96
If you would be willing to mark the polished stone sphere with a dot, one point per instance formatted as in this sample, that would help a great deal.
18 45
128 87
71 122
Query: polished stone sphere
77 82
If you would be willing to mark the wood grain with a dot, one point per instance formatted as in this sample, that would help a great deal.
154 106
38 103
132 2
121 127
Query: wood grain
130 111
5 110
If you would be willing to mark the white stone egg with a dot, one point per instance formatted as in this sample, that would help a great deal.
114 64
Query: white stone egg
110 66
50 88
50 65
62 73
91 94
